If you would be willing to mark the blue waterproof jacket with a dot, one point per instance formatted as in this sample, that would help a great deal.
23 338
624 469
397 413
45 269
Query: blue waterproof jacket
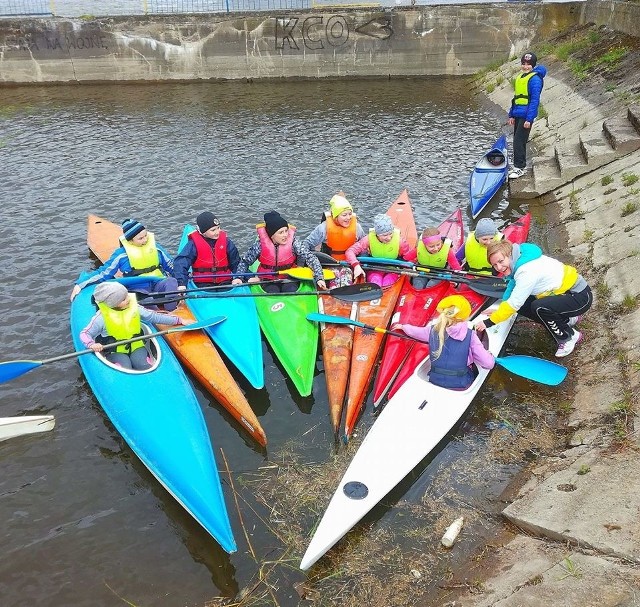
530 110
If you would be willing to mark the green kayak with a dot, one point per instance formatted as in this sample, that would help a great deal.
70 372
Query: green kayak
294 339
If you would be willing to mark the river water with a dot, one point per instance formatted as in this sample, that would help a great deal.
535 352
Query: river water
84 522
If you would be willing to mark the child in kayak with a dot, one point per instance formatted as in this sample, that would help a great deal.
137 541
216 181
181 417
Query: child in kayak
119 317
453 346
277 248
474 251
383 241
338 230
138 255
541 288
208 251
434 251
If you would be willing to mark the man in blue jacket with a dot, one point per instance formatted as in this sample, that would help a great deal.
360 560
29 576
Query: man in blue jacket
524 108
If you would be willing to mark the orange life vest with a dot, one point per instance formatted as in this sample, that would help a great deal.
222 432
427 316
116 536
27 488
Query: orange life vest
339 239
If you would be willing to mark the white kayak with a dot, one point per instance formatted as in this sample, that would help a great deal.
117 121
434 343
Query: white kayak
414 421
27 424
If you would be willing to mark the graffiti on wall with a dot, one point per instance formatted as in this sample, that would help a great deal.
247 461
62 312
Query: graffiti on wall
29 42
318 32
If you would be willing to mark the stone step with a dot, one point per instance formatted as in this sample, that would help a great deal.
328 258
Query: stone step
596 149
633 116
622 135
546 175
571 161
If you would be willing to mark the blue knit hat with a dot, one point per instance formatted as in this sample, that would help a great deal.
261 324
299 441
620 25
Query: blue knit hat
131 228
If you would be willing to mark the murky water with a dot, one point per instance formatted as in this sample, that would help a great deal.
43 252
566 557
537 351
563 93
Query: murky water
84 522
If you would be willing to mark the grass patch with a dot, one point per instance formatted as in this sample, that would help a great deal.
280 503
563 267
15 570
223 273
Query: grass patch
629 303
499 79
628 208
491 87
570 569
603 290
606 180
542 112
584 469
629 179
588 235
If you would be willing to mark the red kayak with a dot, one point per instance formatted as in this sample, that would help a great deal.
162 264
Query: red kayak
414 307
516 232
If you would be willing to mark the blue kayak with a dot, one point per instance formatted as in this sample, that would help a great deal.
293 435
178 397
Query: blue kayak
488 175
238 336
158 415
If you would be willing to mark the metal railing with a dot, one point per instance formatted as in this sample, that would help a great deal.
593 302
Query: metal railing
97 8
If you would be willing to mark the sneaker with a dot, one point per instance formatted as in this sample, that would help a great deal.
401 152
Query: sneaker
574 320
566 347
516 172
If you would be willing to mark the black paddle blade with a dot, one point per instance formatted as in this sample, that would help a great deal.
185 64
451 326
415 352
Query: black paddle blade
327 260
364 291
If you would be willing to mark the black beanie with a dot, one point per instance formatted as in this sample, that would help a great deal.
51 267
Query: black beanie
529 58
273 221
206 221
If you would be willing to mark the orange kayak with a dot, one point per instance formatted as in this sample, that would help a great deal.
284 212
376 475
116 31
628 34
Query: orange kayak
194 349
401 214
337 342
366 348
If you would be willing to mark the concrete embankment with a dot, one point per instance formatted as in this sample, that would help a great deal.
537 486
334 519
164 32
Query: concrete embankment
327 43
579 511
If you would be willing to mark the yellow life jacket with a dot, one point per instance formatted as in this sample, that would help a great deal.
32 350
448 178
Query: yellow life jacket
387 250
521 88
476 255
434 260
123 324
569 278
144 260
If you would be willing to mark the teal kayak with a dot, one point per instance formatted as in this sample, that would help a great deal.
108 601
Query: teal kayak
292 337
239 336
158 415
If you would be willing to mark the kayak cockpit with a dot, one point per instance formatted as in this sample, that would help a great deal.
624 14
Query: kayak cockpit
154 353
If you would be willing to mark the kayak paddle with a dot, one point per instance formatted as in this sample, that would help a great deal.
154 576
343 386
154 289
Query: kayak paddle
364 291
15 368
301 273
208 289
536 369
411 265
482 284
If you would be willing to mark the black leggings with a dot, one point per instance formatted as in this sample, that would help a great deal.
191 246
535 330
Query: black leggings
554 311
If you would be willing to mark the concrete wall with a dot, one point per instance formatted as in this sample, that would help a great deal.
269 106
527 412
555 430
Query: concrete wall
621 16
416 41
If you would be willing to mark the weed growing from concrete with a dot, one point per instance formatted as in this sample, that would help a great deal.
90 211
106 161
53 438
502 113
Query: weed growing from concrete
542 112
571 569
629 303
588 235
606 180
628 208
603 290
629 179
491 87
584 469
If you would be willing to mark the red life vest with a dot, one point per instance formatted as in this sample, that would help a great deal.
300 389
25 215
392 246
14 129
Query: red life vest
210 260
272 258
339 239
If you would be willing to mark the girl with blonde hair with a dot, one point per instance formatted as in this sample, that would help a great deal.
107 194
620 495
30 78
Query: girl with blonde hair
454 347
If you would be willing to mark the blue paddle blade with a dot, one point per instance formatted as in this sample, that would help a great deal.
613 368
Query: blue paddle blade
15 368
536 369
